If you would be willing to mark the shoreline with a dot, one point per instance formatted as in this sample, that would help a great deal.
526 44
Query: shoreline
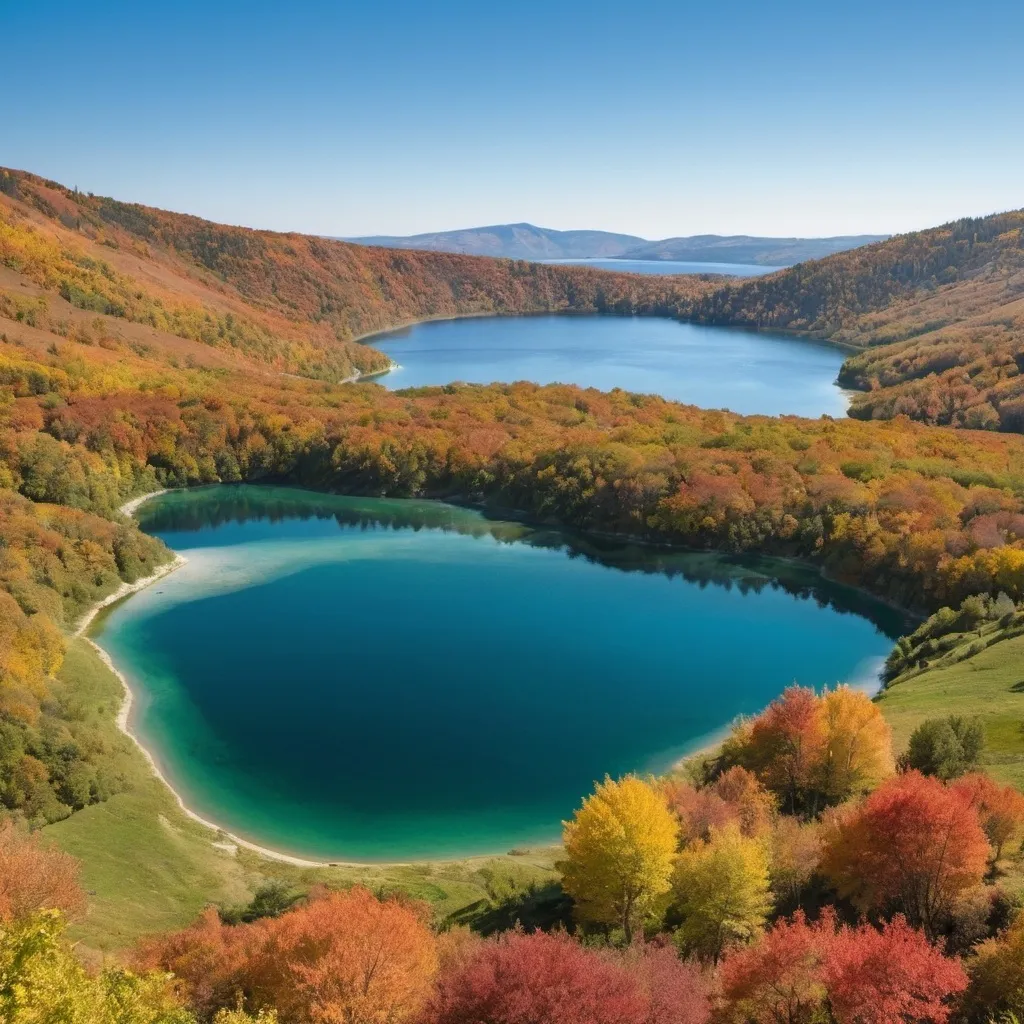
705 746
124 712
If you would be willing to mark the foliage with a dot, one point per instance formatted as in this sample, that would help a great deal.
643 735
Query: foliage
721 892
912 846
34 877
619 849
525 979
341 957
997 976
945 747
802 972
811 751
734 797
1000 809
43 982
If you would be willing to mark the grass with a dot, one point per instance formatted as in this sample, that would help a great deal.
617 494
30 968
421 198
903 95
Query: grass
989 685
148 867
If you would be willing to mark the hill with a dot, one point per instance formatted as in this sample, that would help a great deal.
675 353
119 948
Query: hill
512 241
767 252
528 242
287 302
938 313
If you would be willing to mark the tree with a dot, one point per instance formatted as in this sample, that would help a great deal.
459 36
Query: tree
795 855
373 961
721 892
786 745
551 979
913 846
43 982
858 749
778 979
997 976
345 957
735 797
1000 808
799 973
34 877
945 747
892 976
620 848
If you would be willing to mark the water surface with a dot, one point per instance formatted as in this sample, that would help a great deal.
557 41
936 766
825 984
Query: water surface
667 267
352 678
713 367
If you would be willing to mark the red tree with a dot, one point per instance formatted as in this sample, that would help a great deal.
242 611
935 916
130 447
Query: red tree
787 744
892 976
527 979
862 975
913 845
778 980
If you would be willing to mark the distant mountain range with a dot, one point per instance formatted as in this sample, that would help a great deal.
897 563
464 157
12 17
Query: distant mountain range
528 242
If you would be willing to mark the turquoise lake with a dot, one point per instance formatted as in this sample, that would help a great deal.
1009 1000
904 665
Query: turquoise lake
361 679
750 372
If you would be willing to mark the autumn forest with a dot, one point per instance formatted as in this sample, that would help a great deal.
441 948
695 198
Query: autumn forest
817 865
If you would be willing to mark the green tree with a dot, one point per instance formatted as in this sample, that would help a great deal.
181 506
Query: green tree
721 891
945 747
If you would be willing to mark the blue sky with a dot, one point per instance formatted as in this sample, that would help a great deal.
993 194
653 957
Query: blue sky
648 117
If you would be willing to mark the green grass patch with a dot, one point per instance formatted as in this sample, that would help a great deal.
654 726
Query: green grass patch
988 685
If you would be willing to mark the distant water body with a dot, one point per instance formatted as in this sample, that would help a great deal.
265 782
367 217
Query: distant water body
670 267
361 679
714 367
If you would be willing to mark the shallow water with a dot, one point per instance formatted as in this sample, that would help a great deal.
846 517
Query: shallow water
351 678
714 367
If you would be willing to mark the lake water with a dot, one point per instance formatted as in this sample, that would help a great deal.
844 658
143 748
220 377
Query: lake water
714 367
666 267
352 678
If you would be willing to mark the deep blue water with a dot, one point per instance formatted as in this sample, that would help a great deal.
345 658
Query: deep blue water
713 367
367 679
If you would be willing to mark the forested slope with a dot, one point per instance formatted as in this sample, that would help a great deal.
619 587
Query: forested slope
940 312
290 302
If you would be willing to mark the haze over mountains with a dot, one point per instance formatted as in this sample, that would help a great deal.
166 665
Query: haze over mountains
529 242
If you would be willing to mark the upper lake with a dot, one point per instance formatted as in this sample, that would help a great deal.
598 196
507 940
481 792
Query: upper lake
367 679
714 367
669 267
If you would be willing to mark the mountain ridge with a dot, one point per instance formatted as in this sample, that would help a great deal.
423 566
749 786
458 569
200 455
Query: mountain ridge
530 242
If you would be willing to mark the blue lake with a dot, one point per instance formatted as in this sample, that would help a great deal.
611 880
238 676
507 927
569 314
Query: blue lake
667 267
714 367
363 679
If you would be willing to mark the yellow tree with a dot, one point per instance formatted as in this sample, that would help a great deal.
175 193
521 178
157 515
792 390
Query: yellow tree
620 849
43 982
858 750
721 892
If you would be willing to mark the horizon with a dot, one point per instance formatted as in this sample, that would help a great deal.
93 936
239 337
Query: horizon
401 120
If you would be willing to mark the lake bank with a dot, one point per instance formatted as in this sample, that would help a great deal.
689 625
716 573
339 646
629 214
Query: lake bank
195 703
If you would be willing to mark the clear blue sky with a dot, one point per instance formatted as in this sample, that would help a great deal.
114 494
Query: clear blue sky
649 117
